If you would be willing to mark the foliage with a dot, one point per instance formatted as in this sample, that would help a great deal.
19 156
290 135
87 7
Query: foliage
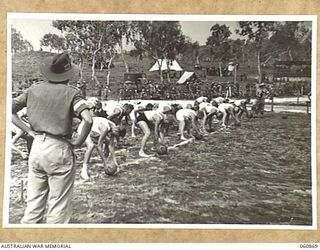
290 38
53 41
257 32
160 40
18 44
219 43
90 40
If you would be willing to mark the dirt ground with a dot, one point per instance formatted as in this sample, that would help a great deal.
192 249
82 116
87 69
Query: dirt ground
259 173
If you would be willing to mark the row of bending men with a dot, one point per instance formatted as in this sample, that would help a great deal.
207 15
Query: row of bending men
110 122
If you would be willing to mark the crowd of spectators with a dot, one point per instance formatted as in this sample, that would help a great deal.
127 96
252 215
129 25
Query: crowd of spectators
155 90
171 91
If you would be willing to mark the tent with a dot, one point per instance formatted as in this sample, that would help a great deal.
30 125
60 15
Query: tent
173 65
186 75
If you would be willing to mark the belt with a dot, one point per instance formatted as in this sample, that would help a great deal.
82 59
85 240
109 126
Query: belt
45 135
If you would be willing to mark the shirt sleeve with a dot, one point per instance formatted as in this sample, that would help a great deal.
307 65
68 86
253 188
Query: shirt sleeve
19 102
79 104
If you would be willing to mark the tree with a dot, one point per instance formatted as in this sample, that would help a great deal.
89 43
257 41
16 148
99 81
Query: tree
18 44
292 38
90 40
123 32
219 43
191 54
284 37
256 32
161 40
304 36
53 41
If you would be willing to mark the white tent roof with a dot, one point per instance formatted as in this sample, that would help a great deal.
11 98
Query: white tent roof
186 75
173 65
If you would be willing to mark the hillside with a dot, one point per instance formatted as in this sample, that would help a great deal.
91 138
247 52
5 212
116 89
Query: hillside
25 66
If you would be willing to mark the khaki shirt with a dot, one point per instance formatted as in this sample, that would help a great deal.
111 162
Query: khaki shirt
51 107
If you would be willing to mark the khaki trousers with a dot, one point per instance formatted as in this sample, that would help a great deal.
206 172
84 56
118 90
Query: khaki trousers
50 181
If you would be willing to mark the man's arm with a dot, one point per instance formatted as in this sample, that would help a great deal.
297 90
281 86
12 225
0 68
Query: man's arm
20 124
112 151
87 124
204 119
19 103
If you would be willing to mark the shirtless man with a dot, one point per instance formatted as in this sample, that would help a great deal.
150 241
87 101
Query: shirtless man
102 136
19 133
208 111
218 100
202 99
116 112
150 120
187 117
241 107
228 109
137 107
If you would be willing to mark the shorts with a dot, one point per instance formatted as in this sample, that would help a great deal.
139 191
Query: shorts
94 137
142 117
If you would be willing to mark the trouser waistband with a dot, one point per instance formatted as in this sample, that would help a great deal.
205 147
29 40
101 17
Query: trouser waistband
46 135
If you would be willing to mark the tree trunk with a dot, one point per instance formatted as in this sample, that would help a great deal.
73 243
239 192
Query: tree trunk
259 66
93 72
109 70
122 56
98 84
235 74
168 71
168 76
160 71
81 64
161 76
94 58
220 69
290 54
197 60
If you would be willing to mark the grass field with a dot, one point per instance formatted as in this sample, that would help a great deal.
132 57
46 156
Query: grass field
259 173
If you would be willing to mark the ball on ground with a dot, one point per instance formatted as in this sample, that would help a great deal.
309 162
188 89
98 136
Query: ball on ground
111 169
198 136
162 150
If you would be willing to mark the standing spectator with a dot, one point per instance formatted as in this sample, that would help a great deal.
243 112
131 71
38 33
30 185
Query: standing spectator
82 85
261 94
52 104
84 89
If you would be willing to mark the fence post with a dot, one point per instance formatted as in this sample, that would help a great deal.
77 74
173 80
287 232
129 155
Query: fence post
272 103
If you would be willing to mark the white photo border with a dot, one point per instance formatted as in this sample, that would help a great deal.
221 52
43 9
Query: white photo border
162 17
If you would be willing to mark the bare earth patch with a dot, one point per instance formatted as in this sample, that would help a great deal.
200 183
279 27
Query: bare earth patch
259 173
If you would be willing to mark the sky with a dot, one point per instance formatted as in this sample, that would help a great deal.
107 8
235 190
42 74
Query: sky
34 29
34 26
200 30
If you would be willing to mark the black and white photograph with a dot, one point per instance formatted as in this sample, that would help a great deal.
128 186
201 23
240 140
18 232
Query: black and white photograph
160 121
